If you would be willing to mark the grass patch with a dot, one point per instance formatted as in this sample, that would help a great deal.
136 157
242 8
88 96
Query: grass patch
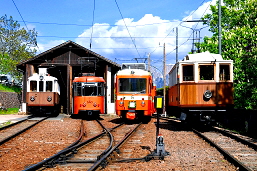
5 124
4 88
9 111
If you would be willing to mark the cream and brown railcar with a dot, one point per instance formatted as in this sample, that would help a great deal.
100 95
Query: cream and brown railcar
43 94
200 86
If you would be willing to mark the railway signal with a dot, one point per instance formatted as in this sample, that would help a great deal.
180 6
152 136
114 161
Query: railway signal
160 151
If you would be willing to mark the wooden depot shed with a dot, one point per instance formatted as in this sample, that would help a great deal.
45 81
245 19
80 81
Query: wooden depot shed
65 62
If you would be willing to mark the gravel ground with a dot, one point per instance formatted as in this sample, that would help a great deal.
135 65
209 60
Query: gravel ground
187 151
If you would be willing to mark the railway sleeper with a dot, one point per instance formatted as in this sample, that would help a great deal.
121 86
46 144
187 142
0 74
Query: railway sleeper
50 164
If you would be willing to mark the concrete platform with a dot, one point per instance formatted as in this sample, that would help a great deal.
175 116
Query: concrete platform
12 118
59 117
15 118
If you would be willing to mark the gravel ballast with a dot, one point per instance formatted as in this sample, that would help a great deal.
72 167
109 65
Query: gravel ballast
187 150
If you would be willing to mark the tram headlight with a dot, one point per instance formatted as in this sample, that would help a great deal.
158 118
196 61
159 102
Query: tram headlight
132 105
32 98
49 98
83 104
121 103
207 94
41 77
143 103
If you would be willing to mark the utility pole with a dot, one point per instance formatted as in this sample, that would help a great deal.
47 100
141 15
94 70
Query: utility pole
164 78
149 62
176 44
219 26
195 31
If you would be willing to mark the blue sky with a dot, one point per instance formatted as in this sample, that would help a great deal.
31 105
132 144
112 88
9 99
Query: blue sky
122 29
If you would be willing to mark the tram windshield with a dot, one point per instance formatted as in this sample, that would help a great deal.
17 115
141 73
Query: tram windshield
88 89
135 85
43 86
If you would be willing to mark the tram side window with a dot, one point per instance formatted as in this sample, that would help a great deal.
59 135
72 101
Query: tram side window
100 89
33 85
77 89
224 72
206 72
49 86
188 73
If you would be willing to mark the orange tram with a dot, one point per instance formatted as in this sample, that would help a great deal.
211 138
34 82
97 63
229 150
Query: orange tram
134 92
88 95
200 87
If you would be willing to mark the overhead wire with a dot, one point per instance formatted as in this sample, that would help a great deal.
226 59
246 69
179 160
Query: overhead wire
92 25
107 37
127 29
190 34
24 21
194 28
172 30
89 25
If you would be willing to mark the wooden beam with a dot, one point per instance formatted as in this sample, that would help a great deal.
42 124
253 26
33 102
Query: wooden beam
69 90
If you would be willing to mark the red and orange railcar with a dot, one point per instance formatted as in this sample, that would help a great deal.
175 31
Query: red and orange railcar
88 95
134 92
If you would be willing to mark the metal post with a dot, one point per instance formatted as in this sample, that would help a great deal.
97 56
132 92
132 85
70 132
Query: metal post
220 27
149 62
160 151
176 44
164 78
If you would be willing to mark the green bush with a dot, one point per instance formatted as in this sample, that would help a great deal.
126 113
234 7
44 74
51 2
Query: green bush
4 88
9 111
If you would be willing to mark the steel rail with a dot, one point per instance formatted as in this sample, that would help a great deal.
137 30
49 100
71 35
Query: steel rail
103 161
62 155
21 131
103 153
82 131
15 123
232 159
167 118
246 142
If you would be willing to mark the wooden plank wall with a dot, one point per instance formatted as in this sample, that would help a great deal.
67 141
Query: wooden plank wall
192 93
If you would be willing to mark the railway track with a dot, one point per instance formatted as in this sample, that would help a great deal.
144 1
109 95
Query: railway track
98 148
242 153
238 149
13 130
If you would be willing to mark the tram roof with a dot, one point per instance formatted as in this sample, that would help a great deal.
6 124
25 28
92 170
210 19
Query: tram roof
133 66
137 72
35 77
91 79
204 56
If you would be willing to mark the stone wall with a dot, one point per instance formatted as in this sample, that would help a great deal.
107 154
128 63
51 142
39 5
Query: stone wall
10 99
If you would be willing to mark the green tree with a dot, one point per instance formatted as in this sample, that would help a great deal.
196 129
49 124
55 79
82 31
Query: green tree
16 45
239 35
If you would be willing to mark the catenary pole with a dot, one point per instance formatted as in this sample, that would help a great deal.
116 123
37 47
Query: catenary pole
219 8
164 77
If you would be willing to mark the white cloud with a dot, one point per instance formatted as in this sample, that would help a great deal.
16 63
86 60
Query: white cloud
120 40
114 41
49 45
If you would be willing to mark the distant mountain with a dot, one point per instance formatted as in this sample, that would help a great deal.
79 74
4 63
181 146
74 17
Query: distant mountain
158 76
